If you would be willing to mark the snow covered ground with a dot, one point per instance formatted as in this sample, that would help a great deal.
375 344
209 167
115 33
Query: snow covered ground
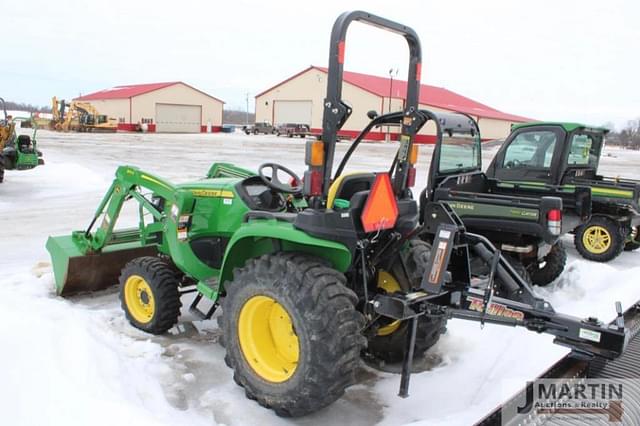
78 362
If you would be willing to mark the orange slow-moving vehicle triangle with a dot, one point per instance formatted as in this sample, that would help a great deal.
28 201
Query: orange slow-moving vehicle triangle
381 209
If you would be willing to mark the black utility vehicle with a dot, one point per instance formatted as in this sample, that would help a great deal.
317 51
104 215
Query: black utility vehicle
541 157
526 225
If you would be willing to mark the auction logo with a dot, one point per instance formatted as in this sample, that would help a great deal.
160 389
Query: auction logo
569 400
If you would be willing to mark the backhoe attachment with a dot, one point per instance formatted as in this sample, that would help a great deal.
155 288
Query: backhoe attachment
502 298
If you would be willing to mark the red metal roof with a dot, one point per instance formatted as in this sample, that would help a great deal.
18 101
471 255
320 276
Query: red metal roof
429 95
131 90
128 91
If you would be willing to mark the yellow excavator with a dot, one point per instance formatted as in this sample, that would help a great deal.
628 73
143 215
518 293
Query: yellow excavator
79 117
7 128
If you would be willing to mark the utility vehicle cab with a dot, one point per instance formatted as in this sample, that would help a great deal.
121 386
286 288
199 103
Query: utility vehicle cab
456 177
552 153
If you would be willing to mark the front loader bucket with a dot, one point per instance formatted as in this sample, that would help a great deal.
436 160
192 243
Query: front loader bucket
76 272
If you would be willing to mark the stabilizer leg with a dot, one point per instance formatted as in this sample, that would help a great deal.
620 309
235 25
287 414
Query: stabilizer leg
407 363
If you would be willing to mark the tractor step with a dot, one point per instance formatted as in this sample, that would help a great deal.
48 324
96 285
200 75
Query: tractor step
210 289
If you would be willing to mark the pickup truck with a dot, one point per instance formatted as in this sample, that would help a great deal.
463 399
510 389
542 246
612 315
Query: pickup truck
525 224
542 155
293 129
263 127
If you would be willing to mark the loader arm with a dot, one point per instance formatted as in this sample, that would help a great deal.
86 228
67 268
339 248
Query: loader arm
125 185
91 259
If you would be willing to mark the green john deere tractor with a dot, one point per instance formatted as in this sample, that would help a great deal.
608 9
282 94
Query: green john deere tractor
294 273
17 152
311 274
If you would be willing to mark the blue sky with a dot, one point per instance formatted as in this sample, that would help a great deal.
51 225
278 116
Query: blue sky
554 60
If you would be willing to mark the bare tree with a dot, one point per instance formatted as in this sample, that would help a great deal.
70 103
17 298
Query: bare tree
628 137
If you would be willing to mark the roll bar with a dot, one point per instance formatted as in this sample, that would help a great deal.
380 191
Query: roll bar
336 112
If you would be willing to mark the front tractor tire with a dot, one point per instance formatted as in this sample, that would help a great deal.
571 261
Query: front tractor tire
601 239
388 345
149 294
291 332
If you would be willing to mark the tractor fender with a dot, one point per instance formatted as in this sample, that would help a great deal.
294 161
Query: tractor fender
258 237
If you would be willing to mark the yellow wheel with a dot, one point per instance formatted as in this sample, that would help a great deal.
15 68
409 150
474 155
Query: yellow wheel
596 239
291 332
267 339
387 346
388 283
601 239
149 294
139 299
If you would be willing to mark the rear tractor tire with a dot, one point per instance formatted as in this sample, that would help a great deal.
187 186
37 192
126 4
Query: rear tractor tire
149 294
291 332
388 345
543 272
601 239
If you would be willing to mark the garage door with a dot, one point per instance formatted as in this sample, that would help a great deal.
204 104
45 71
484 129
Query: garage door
178 118
298 112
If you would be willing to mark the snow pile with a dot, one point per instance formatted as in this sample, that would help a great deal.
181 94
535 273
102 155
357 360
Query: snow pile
69 364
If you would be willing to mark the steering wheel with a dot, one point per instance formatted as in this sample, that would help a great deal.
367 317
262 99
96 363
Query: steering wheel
274 183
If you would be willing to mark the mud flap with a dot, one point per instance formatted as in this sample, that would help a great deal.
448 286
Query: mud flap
76 272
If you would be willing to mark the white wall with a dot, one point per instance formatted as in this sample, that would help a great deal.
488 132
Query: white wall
144 106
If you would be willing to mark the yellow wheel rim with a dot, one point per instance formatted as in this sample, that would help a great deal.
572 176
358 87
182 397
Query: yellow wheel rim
267 339
596 239
138 298
390 285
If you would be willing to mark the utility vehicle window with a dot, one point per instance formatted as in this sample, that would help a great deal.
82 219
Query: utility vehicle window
584 151
459 152
530 149
548 155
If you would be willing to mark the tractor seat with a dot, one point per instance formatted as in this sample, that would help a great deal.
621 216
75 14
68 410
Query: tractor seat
347 185
24 144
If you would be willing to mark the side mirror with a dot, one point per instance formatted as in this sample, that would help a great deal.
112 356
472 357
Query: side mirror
372 114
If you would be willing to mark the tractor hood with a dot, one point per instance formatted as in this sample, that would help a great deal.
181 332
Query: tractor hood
217 187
